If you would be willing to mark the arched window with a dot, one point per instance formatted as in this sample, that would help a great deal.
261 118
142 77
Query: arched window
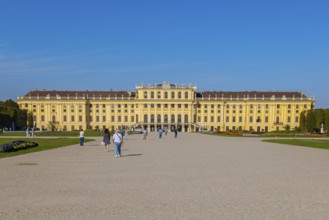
166 118
172 95
166 95
186 118
152 118
179 95
186 95
179 119
145 118
159 95
152 95
172 118
158 118
145 95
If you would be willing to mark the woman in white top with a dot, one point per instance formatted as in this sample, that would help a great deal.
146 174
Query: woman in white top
82 138
117 140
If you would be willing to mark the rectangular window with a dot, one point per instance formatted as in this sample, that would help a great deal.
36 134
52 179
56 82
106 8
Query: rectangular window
218 118
119 118
212 119
132 118
126 118
172 105
104 118
112 119
199 118
289 119
179 106
250 119
296 119
233 119
240 118
64 118
80 118
42 118
91 118
186 106
227 118
159 105
205 119
97 118
266 119
72 118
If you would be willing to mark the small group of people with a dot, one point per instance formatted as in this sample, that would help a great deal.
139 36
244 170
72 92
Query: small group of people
160 131
117 139
30 132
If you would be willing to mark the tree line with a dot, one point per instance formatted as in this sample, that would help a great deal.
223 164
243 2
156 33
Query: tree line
11 116
312 120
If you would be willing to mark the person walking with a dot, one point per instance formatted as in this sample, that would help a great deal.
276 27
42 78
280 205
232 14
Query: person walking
160 133
107 139
117 140
144 134
166 131
82 137
126 133
176 132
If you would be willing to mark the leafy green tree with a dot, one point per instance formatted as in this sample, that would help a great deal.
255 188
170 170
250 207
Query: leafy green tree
310 121
287 128
326 123
319 118
30 119
21 119
302 122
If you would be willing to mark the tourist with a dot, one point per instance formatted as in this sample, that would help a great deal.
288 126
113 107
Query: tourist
27 132
117 140
160 133
107 139
82 138
145 134
126 134
176 132
166 131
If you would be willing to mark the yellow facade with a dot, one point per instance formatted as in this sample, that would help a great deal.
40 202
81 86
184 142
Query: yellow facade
167 106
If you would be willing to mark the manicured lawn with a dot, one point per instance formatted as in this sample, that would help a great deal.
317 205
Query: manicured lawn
315 143
44 144
89 133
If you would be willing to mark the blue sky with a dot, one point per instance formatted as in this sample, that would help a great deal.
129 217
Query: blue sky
279 45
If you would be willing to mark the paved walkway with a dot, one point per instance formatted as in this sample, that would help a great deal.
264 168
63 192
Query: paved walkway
193 177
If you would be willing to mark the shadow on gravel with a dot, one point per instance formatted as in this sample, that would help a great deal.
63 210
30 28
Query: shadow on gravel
131 155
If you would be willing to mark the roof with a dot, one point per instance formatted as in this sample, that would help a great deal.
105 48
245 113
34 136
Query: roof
253 94
88 94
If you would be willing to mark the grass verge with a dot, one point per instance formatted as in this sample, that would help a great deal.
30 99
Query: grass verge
314 143
87 133
44 144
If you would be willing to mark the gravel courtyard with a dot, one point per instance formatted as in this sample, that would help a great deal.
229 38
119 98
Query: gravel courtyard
192 177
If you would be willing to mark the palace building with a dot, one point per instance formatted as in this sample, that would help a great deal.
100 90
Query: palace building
166 106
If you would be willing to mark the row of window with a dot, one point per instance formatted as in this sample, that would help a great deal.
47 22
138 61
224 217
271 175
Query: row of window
234 106
166 95
234 119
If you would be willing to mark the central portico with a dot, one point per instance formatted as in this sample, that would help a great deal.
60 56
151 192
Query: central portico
166 106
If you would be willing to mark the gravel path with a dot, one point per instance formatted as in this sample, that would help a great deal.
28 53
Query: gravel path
192 177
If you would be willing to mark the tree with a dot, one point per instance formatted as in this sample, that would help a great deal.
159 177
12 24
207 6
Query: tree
310 121
326 123
319 118
302 122
21 119
287 128
30 119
